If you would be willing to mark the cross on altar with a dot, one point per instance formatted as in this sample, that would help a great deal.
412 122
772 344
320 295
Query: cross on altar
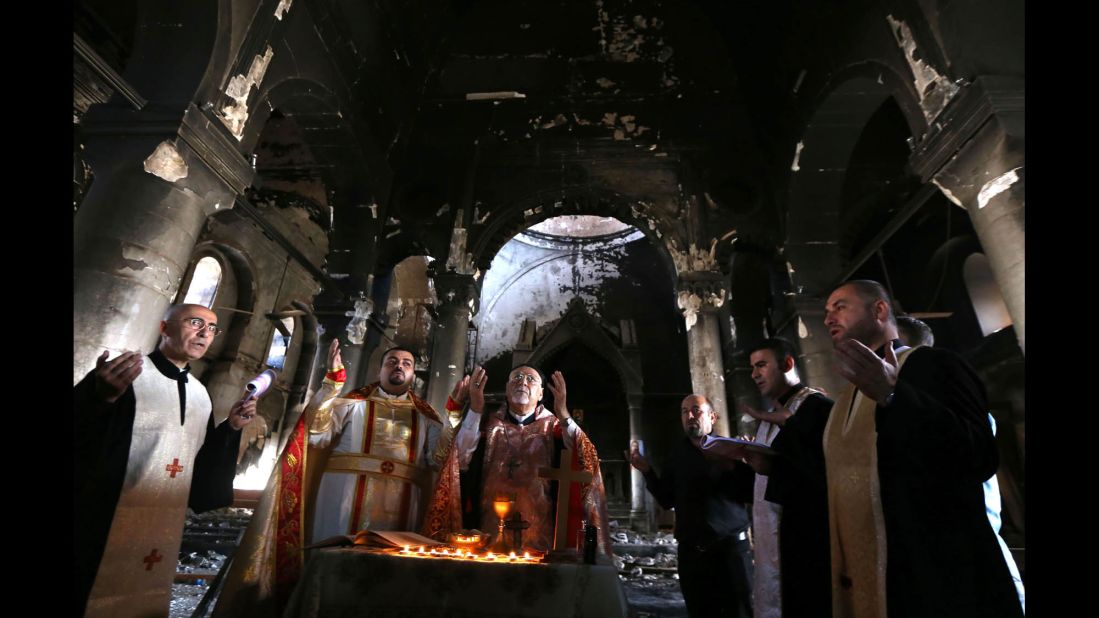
152 559
565 477
174 467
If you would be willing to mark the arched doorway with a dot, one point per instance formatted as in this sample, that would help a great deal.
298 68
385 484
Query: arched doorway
597 399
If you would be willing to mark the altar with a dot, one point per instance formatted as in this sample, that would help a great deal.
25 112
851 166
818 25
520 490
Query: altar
360 581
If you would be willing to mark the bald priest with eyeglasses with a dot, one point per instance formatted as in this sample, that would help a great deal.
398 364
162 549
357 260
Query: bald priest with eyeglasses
147 448
510 451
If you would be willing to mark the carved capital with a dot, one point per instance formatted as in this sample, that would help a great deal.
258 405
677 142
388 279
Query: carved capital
699 292
456 290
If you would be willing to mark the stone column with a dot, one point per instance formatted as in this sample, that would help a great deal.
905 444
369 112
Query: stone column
158 176
978 160
457 294
639 515
700 295
816 362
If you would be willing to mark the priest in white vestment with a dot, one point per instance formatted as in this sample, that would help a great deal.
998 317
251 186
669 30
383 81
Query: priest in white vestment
139 430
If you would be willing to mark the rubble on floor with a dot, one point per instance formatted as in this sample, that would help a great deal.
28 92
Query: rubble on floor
647 566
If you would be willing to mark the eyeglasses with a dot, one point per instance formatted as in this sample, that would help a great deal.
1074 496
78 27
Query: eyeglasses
519 377
199 324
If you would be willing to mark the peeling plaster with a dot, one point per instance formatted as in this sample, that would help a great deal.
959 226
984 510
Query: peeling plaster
693 259
797 155
356 328
166 162
690 304
950 196
934 89
235 115
160 279
134 264
282 8
997 186
458 259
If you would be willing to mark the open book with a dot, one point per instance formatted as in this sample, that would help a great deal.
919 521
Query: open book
722 445
378 538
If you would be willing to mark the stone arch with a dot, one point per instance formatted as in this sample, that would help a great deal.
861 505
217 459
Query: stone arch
577 325
819 168
508 220
820 164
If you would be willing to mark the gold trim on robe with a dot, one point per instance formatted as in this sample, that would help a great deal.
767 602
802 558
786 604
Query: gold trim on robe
855 520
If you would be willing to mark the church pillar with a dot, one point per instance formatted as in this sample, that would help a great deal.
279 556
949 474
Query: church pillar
158 176
639 517
815 360
978 160
457 294
700 295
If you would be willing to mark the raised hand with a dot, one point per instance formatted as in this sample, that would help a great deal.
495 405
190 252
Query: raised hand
242 413
335 359
874 376
114 377
777 417
477 389
557 388
461 391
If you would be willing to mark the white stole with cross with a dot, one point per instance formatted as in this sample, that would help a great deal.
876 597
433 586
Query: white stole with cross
139 562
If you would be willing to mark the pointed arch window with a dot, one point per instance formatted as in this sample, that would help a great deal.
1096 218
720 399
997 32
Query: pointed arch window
204 283
280 343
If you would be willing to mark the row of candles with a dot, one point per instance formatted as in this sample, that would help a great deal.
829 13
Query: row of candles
462 554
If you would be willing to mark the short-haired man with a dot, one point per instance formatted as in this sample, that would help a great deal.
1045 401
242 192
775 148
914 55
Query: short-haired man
144 436
914 332
790 509
711 523
357 462
906 448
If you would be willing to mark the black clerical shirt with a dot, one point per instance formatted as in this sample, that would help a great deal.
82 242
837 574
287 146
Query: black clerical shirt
708 498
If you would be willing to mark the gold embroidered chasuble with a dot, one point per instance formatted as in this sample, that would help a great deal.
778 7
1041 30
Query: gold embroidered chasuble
855 520
139 562
377 458
375 473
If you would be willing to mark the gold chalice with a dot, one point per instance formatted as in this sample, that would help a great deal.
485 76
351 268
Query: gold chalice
503 506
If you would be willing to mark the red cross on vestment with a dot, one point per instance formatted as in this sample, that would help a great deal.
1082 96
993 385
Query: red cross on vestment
174 467
151 559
